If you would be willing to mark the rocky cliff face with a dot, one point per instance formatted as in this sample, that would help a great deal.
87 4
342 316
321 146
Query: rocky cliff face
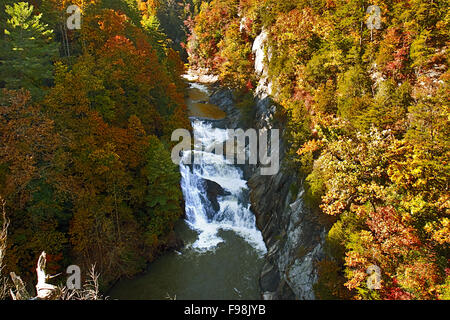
290 230
292 234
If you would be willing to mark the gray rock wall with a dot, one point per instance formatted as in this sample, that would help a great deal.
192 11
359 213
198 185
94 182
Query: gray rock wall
292 234
291 231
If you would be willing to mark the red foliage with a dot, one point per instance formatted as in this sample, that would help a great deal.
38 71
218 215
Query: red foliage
390 231
396 48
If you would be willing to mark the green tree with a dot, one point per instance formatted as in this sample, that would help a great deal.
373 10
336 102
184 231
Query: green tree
163 193
27 50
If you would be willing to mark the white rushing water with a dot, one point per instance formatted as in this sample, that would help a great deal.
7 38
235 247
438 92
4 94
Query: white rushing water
234 212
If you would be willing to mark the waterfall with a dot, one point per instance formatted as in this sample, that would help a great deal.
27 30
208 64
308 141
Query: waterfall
234 209
223 252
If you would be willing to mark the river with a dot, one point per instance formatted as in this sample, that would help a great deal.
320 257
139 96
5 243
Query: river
223 251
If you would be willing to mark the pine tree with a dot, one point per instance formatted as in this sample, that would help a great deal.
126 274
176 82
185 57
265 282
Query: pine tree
26 50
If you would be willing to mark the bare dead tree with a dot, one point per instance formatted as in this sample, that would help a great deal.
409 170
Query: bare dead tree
168 297
44 290
91 288
47 291
4 284
20 291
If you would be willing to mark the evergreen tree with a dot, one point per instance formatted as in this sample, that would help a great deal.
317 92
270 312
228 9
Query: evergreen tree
27 50
163 195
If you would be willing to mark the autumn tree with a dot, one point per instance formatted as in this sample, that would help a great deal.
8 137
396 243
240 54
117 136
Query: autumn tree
366 118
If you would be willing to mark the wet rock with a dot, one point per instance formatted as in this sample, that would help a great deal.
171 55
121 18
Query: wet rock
223 98
270 278
213 191
201 75
268 295
292 234
173 242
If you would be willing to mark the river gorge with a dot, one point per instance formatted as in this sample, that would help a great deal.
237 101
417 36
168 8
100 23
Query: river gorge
114 180
246 235
223 251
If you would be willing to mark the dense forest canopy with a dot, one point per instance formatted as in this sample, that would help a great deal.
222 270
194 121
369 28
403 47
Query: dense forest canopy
86 119
367 112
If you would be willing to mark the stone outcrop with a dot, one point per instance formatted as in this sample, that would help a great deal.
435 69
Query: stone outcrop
224 99
292 234
213 191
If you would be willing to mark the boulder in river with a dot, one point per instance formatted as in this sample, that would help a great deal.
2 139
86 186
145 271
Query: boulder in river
213 191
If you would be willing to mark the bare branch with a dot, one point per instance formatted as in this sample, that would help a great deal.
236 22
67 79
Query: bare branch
4 285
44 290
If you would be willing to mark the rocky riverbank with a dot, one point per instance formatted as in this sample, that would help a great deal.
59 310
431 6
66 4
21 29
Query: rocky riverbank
293 236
